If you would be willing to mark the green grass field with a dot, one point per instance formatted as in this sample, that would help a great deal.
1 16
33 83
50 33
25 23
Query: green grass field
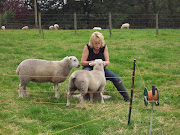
157 62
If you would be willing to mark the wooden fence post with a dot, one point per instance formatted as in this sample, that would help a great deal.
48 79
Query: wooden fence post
75 23
0 19
157 24
39 22
35 13
110 24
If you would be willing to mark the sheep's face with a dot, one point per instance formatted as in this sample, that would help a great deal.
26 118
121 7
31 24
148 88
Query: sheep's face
97 65
97 61
74 61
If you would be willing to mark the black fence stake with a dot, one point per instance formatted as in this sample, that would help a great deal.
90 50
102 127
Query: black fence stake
132 90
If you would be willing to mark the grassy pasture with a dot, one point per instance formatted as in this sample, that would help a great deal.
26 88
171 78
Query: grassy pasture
158 63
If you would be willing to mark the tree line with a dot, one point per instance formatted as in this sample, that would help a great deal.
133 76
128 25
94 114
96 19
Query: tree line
10 10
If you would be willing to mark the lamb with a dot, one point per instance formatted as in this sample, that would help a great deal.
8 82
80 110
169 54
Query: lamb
56 26
51 27
97 28
3 27
25 28
125 25
88 82
37 70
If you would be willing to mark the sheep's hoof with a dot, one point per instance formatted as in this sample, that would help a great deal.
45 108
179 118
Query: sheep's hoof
76 96
106 96
81 103
26 95
20 96
57 97
102 102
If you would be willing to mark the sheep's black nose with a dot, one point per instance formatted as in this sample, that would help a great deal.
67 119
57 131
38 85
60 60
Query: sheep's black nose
78 66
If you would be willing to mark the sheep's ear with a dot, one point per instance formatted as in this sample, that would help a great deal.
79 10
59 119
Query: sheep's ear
69 57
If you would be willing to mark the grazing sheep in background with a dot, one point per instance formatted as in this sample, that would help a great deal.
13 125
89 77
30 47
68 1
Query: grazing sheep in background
126 25
56 26
25 28
37 70
3 27
88 81
97 28
51 27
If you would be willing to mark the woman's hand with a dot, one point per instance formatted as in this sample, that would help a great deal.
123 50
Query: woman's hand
90 62
104 63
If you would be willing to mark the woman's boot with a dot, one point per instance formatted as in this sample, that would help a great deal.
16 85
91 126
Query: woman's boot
122 90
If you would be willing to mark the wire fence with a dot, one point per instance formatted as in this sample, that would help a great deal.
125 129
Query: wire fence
115 106
66 21
138 72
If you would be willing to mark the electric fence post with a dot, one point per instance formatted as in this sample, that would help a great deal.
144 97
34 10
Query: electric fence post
132 90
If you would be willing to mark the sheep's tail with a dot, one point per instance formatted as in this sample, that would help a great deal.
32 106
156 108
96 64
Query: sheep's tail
73 77
17 70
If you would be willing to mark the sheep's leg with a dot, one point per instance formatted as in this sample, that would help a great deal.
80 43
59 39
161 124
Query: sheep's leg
81 98
22 87
20 90
102 100
71 90
91 96
101 94
25 92
68 97
82 94
56 91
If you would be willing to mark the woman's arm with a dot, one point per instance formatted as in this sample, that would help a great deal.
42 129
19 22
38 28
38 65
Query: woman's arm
106 56
85 54
84 57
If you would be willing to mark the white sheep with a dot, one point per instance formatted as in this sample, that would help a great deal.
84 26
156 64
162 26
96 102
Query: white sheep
3 27
88 82
25 28
97 28
37 70
51 27
125 25
56 26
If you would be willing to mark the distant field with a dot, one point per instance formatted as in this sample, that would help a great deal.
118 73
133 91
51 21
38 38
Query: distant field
157 63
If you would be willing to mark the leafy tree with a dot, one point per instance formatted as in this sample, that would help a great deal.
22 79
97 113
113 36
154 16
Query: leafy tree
134 11
46 6
19 8
1 6
8 16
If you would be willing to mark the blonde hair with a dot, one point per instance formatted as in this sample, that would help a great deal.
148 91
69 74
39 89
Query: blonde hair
96 37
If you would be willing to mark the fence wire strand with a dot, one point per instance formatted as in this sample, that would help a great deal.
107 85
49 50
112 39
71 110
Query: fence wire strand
165 108
77 92
87 121
123 107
